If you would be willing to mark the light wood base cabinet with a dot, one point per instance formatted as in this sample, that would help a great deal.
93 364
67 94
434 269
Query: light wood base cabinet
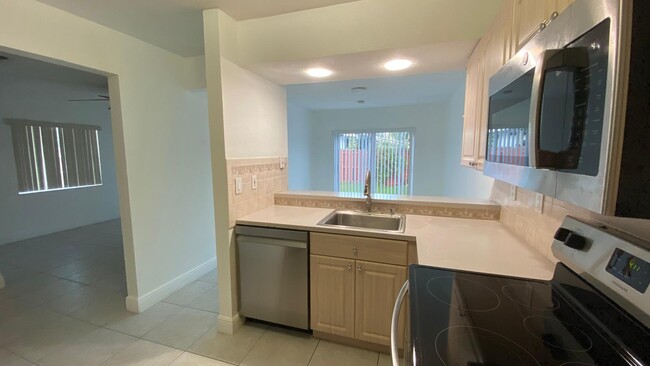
352 295
377 287
332 295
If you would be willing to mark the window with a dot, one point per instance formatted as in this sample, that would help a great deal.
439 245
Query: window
388 156
52 156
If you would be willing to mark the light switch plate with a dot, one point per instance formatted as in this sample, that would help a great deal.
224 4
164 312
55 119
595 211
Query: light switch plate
513 193
238 185
254 182
539 203
283 163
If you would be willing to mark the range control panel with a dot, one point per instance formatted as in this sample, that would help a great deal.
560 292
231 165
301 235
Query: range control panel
629 269
618 267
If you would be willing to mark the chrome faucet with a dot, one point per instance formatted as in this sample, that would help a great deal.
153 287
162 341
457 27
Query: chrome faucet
366 192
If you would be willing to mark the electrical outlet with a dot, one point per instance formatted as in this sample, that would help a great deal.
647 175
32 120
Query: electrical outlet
254 182
513 193
539 203
283 163
238 185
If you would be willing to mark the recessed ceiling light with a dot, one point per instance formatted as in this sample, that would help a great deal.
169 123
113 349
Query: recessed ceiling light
319 72
398 64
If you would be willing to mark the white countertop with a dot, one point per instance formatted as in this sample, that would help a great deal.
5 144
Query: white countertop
473 245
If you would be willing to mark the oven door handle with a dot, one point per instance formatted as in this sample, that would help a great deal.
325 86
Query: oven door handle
394 352
549 59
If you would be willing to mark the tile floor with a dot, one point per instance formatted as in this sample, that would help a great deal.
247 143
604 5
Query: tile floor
64 305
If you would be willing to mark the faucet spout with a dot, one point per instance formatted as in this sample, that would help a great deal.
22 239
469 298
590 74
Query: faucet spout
366 192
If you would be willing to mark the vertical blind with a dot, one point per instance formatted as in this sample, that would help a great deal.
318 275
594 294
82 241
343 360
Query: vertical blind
387 155
52 156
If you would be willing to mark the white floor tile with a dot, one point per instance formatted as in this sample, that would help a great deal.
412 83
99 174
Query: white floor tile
144 353
279 347
208 301
99 312
328 353
228 348
210 277
9 359
190 359
189 293
75 300
183 328
140 324
43 341
92 349
19 325
48 292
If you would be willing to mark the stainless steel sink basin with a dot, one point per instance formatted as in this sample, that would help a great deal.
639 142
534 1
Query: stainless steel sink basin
365 221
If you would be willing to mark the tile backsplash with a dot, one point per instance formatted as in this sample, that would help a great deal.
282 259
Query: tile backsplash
270 179
466 211
537 229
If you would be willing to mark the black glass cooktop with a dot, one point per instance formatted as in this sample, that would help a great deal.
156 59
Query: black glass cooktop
468 319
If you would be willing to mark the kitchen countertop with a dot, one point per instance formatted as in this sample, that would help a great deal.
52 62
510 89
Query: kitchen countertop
466 244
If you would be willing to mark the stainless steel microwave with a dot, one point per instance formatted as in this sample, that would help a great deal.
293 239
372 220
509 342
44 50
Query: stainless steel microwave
569 114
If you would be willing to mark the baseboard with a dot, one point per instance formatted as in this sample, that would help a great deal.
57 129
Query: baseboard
144 302
229 325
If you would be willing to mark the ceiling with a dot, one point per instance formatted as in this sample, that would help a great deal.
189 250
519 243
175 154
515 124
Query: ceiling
380 92
439 57
176 25
27 69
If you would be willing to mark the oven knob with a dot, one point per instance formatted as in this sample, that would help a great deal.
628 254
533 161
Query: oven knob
561 234
575 241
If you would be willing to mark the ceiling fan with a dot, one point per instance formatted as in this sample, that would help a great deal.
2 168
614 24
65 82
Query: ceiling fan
102 98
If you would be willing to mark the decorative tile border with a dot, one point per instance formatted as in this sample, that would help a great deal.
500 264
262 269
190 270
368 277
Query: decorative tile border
466 211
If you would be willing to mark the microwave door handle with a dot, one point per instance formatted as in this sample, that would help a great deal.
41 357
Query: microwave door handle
574 58
536 104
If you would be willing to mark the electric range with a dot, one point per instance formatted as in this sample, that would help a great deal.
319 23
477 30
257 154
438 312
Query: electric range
594 311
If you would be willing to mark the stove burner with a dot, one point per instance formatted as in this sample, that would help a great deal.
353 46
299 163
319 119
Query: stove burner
495 349
558 334
453 290
534 295
578 364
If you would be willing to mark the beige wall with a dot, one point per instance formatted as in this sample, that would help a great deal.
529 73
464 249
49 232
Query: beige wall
361 26
538 229
254 112
161 142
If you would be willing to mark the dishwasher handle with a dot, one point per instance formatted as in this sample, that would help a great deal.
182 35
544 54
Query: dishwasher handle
241 239
394 352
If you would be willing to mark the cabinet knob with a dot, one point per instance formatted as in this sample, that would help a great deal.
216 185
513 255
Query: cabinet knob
359 268
349 267
354 250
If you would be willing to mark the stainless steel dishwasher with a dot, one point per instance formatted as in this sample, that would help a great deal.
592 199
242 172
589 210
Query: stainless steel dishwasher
274 275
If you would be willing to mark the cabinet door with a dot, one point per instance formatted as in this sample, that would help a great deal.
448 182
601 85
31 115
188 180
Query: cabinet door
496 54
562 5
377 287
528 15
473 93
332 295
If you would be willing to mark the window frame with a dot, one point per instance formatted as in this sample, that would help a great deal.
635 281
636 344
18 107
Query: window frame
373 154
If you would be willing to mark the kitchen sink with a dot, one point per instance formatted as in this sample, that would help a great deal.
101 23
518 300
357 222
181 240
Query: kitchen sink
365 221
